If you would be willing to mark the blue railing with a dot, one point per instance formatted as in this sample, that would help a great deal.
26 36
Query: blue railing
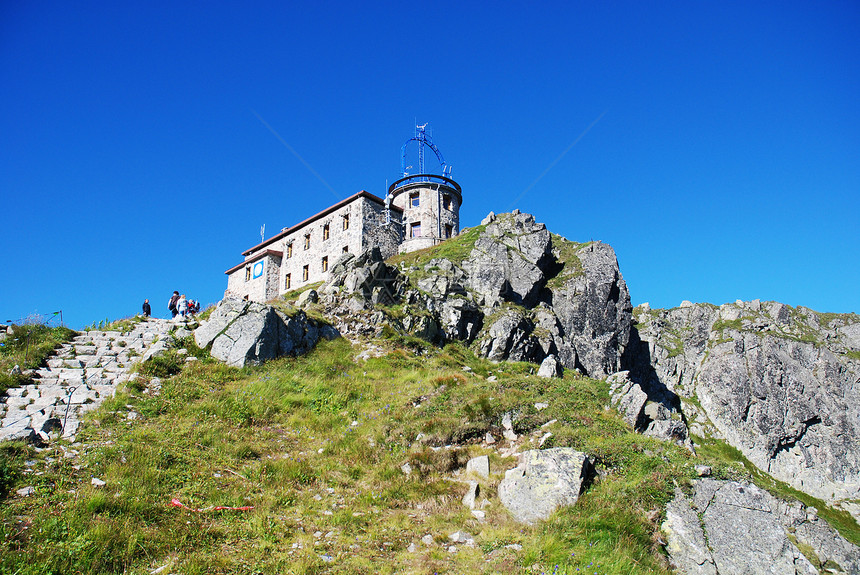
425 178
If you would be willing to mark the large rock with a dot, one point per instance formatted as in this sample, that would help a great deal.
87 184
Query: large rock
779 384
791 408
243 332
365 275
550 367
508 260
628 398
509 337
732 527
542 482
594 311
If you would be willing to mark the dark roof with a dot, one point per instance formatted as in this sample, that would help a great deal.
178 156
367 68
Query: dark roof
255 258
325 212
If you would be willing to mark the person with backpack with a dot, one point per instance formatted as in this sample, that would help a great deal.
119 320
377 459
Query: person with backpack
171 305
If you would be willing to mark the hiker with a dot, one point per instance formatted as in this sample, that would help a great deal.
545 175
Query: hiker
147 310
182 305
193 307
171 305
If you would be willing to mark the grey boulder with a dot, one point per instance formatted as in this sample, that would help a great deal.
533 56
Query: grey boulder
243 332
543 481
550 367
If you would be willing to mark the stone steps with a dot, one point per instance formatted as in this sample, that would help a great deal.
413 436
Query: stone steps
84 372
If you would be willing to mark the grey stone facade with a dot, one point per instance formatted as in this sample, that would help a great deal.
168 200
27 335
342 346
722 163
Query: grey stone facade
431 210
303 254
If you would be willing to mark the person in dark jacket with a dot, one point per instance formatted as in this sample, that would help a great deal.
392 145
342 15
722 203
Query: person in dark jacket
171 305
147 310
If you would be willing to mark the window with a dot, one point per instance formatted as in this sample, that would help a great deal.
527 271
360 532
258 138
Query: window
415 230
305 274
325 263
446 202
325 232
289 250
413 199
345 250
247 273
307 241
346 221
449 230
287 281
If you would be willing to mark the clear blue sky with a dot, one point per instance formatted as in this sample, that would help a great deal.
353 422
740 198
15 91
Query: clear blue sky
133 159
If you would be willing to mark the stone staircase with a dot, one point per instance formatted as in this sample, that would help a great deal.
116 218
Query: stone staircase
78 377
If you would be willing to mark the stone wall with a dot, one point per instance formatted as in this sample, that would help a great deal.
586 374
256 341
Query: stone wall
387 236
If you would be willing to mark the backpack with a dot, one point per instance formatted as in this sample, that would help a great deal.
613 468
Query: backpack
171 305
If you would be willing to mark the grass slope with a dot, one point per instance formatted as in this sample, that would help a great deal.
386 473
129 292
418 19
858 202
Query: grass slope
316 445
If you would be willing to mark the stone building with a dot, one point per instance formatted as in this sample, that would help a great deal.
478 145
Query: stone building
420 211
304 253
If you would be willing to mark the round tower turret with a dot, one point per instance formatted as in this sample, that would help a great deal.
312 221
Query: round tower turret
430 202
431 209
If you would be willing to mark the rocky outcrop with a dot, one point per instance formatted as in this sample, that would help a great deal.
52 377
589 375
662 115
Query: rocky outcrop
779 384
594 312
728 527
653 414
242 332
520 294
509 261
542 482
366 276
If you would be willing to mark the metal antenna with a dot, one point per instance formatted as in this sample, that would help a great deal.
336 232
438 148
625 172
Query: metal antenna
423 139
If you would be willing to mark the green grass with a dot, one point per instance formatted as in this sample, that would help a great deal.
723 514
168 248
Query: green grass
315 444
294 294
566 254
29 347
123 325
456 249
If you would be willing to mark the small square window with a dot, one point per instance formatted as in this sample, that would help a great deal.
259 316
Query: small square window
307 241
325 232
325 263
446 202
413 199
289 250
345 249
415 230
346 221
247 273
449 230
305 274
287 281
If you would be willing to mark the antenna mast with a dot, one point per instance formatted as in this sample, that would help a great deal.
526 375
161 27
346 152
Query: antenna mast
423 139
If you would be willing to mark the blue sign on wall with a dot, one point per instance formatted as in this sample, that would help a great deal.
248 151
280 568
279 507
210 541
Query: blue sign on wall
258 269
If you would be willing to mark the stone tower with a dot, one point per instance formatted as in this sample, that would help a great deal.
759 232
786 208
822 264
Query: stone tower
430 202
